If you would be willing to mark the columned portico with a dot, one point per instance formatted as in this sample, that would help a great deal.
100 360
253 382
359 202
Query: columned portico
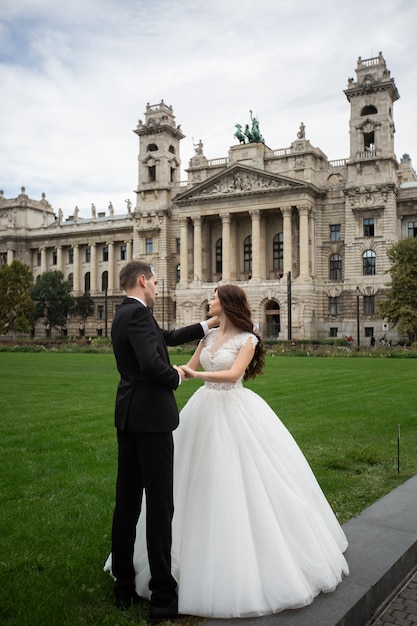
184 250
43 260
93 273
304 240
76 268
256 243
111 266
287 229
225 246
197 248
59 258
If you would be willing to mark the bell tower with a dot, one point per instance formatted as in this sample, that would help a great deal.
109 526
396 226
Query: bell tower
159 161
371 99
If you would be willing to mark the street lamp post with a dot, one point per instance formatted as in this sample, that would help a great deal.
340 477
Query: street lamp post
105 311
289 320
357 315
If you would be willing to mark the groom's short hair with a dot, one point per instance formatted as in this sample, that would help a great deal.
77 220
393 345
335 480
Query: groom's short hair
130 272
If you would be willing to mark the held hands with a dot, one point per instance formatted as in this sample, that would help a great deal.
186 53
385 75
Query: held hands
188 372
180 372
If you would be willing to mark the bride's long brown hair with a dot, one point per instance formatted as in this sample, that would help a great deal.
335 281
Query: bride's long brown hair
235 305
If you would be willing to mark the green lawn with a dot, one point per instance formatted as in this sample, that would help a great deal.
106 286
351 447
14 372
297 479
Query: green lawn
58 464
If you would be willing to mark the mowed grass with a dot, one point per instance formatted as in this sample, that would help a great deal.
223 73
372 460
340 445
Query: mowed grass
58 465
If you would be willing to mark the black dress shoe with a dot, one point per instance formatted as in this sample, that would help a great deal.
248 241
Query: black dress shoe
161 613
124 599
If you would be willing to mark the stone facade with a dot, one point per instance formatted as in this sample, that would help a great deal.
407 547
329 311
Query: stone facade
306 237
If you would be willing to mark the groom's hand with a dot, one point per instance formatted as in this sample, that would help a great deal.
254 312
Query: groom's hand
180 372
212 322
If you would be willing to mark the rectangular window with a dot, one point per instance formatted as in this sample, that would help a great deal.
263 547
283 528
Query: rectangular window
412 229
334 232
54 257
106 253
149 245
333 331
123 252
368 227
178 245
88 254
369 305
333 306
71 256
38 259
100 312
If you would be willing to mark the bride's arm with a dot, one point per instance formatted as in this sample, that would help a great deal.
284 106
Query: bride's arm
244 357
194 362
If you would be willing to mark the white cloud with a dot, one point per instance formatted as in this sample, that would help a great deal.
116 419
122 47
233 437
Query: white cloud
76 78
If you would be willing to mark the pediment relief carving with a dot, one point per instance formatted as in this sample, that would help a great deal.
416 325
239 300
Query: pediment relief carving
240 181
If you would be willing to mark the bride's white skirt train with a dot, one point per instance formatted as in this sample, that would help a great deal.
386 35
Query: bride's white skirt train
252 533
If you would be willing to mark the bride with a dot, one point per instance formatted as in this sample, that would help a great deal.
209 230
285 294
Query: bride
252 532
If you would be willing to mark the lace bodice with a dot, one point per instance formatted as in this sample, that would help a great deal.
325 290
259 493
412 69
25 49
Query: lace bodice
224 357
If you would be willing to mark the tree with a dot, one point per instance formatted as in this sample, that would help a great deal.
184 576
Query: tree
16 305
53 300
85 307
400 305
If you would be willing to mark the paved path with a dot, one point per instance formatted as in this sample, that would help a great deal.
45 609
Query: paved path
402 610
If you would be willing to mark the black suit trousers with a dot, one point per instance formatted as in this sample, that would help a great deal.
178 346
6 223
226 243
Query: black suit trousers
145 464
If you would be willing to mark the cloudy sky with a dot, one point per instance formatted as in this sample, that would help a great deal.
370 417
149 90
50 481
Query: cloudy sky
76 75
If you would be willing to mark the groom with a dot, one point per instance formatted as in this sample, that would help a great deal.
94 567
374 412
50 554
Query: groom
145 416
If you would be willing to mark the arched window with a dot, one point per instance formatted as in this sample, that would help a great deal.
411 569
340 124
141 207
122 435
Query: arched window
247 254
369 263
152 147
278 253
369 109
104 281
219 256
87 282
335 267
171 149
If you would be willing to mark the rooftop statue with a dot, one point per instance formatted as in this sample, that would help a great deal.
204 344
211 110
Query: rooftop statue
302 132
251 134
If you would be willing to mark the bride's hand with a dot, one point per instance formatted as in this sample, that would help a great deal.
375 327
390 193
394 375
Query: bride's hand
189 373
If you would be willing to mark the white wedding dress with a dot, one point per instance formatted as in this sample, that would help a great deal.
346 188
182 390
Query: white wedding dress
252 533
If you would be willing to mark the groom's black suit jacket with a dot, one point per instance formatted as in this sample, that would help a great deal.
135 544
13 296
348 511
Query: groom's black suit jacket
145 400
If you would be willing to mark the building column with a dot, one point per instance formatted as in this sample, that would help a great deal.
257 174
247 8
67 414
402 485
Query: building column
10 256
184 250
128 250
76 284
111 266
287 229
256 243
59 263
303 212
198 252
93 267
226 246
43 260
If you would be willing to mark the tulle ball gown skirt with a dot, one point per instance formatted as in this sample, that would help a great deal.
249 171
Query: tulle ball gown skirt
253 533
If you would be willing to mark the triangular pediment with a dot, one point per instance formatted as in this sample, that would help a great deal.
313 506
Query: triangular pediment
239 180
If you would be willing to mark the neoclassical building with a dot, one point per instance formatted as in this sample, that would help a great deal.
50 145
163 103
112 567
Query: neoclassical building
306 237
